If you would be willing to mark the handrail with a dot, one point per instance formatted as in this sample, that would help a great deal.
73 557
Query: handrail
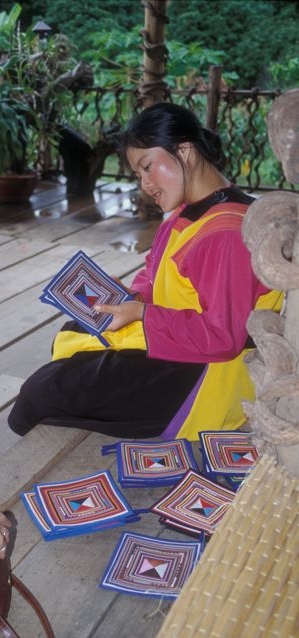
239 115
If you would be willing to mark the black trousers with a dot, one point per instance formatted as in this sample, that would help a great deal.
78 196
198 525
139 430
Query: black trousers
122 394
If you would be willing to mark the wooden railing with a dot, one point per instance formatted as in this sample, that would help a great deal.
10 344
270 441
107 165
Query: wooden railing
239 116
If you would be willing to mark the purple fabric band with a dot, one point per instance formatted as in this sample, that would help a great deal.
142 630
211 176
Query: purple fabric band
180 417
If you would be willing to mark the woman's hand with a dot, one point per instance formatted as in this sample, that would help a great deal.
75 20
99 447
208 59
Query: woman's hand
4 534
123 313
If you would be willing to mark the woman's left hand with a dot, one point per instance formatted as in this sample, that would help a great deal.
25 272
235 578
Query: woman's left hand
123 313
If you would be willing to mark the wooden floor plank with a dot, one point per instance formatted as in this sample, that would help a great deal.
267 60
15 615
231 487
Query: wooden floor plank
64 211
31 457
20 249
54 205
46 194
60 227
122 235
4 239
47 230
32 351
133 618
22 315
7 437
9 388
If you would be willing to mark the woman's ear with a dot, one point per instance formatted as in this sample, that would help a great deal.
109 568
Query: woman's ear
184 151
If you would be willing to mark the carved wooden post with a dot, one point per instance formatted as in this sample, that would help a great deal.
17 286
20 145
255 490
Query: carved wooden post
152 88
271 232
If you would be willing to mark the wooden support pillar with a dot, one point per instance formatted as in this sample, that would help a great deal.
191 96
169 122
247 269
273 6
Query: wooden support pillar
213 97
152 88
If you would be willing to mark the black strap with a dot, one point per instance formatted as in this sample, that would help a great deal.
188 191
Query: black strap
5 586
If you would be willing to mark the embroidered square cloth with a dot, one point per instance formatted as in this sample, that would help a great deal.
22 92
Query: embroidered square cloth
142 464
78 506
78 287
149 566
195 505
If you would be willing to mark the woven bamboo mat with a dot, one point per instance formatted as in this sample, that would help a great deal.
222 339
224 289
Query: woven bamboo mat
246 583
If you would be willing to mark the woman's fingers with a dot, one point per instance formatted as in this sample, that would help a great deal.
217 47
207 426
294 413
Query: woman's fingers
122 314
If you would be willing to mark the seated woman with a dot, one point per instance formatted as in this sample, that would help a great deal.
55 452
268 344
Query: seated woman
174 360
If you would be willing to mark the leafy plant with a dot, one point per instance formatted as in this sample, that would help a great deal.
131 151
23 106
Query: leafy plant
13 134
37 79
286 75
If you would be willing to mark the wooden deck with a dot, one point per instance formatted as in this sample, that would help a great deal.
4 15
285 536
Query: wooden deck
35 241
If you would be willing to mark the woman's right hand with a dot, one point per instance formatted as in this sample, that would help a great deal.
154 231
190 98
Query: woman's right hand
5 524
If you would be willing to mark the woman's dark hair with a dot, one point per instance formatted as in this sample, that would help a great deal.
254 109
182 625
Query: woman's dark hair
167 125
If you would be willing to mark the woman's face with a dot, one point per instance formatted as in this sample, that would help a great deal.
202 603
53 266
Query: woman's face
160 175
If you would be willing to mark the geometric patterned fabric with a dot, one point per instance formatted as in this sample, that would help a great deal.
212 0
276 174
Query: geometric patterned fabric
78 506
195 505
150 566
144 464
230 454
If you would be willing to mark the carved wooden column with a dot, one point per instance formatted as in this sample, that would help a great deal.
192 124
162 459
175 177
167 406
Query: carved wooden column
271 232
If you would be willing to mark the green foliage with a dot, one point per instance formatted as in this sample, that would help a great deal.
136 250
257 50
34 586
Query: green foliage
116 57
243 130
286 75
32 88
13 131
251 33
14 108
117 63
79 19
8 22
187 62
32 10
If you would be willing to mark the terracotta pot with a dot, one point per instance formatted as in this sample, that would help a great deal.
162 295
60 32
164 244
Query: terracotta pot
17 188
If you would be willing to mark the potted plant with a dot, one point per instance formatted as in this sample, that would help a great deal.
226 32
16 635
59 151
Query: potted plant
37 81
17 181
17 178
